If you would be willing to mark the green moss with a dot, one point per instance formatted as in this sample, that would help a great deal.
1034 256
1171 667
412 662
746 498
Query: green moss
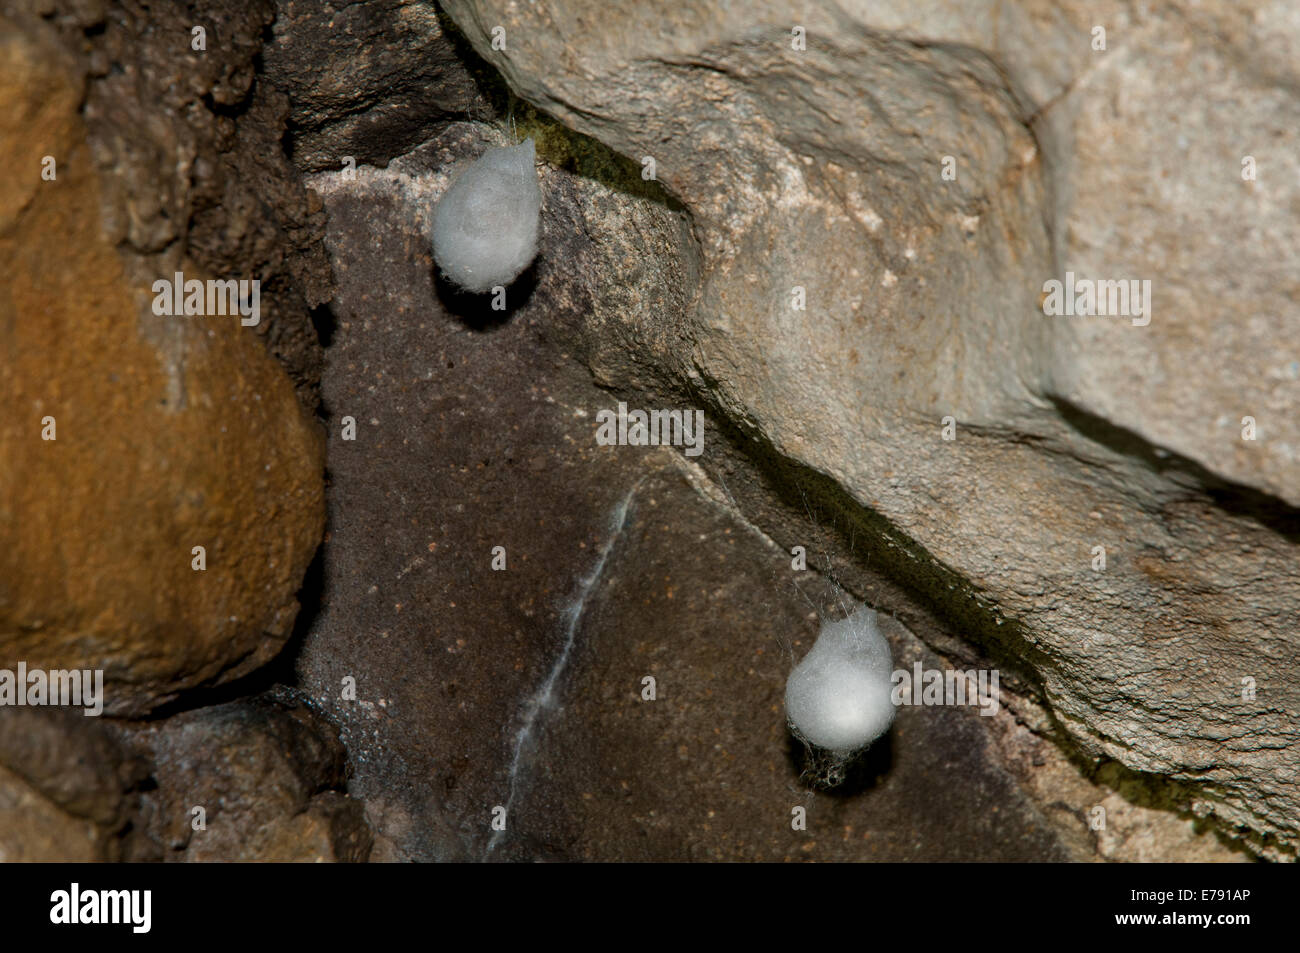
557 144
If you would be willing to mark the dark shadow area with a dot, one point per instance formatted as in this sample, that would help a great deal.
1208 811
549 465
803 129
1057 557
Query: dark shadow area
489 82
476 310
323 320
825 772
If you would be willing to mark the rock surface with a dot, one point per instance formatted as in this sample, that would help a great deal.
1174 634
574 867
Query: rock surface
1153 139
520 689
266 775
366 81
169 434
730 223
68 788
189 143
266 772
821 169
166 432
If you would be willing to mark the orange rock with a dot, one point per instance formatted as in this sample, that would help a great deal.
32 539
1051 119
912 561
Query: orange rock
171 433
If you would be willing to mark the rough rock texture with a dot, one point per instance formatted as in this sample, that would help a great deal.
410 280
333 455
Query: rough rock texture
822 169
706 771
68 788
369 81
782 176
190 144
448 460
39 831
521 688
267 773
171 433
1166 116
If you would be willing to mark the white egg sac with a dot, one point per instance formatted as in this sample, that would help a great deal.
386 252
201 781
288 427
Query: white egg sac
485 226
838 697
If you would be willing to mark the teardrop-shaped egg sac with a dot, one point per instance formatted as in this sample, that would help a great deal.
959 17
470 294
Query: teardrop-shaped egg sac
838 697
485 227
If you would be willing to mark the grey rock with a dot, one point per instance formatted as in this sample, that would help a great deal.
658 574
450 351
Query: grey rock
821 169
520 689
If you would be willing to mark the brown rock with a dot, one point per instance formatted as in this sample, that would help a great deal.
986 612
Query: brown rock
67 787
171 433
34 830
266 773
